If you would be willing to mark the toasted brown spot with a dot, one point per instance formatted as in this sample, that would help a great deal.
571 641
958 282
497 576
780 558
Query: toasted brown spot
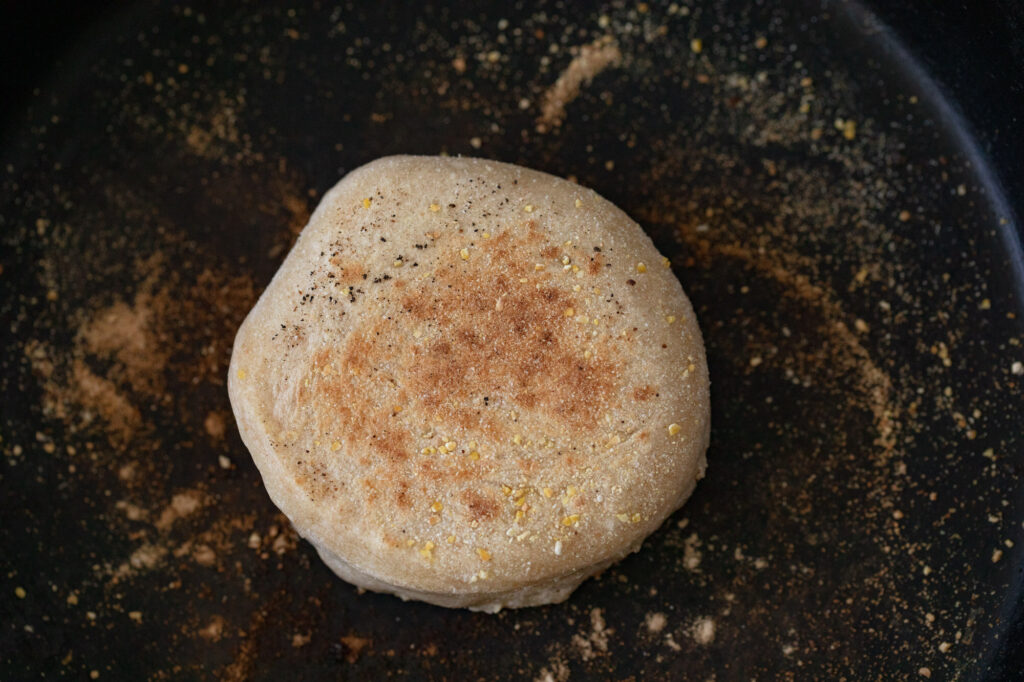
346 272
643 393
371 495
533 235
525 354
390 442
551 251
322 358
466 367
527 466
596 261
337 392
480 508
430 470
402 495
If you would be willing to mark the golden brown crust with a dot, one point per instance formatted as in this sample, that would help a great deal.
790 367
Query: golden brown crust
468 377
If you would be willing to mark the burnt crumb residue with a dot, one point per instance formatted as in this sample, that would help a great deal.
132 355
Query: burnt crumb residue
860 516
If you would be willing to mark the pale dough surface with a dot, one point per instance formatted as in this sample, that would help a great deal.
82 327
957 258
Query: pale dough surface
471 383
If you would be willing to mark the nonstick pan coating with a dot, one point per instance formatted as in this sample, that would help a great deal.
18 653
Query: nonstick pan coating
854 266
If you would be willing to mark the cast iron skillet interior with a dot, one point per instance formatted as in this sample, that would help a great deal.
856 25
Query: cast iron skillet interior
845 238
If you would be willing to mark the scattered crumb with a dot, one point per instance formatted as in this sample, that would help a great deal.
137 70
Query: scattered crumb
691 553
655 622
182 505
703 631
556 671
595 643
214 630
591 60
146 556
354 646
214 424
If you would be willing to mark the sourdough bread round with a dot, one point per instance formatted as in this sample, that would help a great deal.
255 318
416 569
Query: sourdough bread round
471 383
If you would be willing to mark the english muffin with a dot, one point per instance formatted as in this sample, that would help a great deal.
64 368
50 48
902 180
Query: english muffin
472 384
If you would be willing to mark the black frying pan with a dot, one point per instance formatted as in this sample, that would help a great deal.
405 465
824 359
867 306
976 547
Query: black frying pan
847 237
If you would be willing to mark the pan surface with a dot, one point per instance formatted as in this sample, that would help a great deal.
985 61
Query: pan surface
853 263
